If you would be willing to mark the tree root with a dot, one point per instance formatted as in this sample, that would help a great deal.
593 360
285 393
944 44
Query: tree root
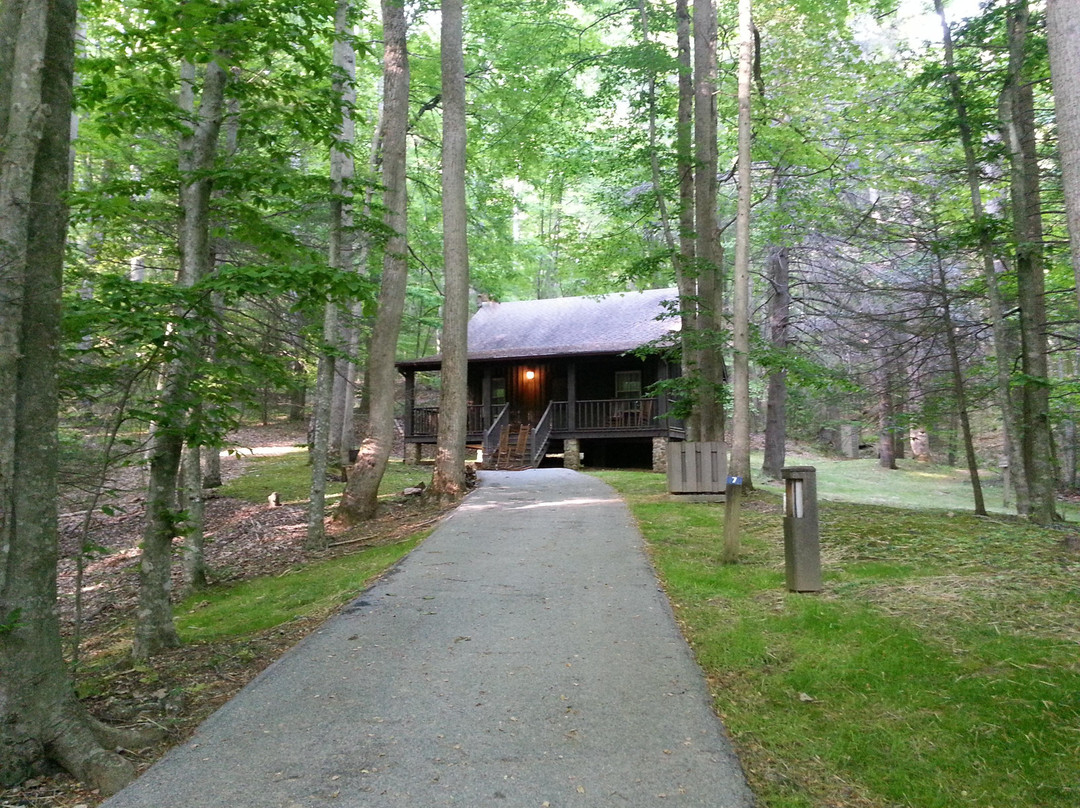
76 747
124 737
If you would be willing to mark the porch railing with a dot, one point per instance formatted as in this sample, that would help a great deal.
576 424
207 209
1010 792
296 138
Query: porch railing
599 415
425 421
604 415
475 418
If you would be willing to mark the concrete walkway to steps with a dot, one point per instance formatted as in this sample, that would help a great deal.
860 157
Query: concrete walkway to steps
522 657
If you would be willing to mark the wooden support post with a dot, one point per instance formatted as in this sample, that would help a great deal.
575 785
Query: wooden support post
485 398
410 401
571 395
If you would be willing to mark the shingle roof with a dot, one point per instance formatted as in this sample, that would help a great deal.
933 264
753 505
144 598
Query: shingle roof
564 326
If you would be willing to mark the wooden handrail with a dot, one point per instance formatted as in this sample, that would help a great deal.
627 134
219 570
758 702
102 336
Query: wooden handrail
491 435
540 435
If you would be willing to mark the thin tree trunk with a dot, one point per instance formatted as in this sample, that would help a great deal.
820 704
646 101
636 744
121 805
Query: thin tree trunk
320 438
212 468
154 627
740 443
899 433
776 408
686 269
211 472
1063 40
448 482
360 500
1017 110
338 400
41 716
959 391
1069 453
194 522
326 439
708 252
886 415
361 330
346 439
654 150
995 300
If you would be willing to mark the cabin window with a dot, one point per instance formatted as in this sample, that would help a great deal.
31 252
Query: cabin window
498 392
628 384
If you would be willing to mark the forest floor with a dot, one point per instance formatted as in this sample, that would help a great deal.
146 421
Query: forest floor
179 689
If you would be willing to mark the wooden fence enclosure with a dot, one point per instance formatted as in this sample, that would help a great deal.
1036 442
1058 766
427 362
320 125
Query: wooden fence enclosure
698 467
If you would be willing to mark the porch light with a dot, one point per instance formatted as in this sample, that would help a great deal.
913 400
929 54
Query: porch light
530 375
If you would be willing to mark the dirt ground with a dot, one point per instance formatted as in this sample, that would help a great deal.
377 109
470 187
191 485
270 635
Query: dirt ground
178 690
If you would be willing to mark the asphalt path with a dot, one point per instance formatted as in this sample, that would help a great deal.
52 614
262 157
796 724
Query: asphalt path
523 656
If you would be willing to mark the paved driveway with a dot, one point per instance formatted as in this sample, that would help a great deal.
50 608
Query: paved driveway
522 657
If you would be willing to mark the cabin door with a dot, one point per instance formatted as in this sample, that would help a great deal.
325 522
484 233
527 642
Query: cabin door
529 392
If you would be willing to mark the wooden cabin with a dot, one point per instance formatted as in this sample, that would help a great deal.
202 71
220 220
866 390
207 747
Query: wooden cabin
555 377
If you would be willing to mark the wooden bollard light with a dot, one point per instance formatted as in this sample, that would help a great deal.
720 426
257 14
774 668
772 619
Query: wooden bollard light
802 547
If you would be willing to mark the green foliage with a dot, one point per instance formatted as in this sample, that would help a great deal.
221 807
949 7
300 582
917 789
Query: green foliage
11 622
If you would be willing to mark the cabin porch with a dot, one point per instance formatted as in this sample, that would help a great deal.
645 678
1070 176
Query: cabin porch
556 401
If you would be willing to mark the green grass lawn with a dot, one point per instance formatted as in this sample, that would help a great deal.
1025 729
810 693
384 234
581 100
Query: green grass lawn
313 590
912 484
939 667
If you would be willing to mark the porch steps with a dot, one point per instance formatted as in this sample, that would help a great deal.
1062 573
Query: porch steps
514 451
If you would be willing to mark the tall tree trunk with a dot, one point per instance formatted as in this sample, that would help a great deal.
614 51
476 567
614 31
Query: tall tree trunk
39 714
959 391
776 408
1017 110
708 251
686 269
987 251
343 242
360 325
740 438
154 627
326 440
320 434
448 482
211 460
1063 40
360 500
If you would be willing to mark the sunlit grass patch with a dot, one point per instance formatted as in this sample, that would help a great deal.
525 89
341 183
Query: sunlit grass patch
289 475
261 603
